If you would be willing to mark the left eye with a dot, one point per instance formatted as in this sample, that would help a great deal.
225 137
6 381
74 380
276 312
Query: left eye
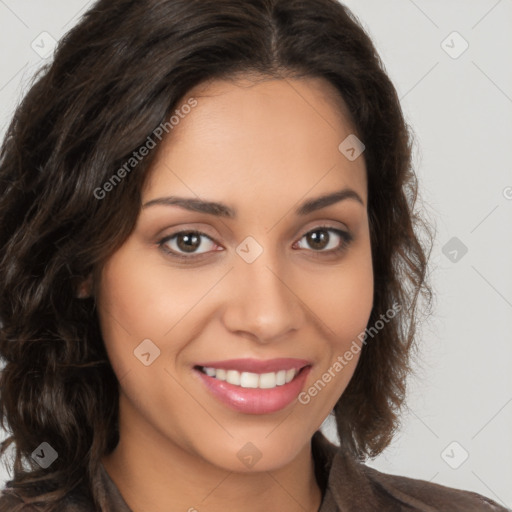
324 242
184 244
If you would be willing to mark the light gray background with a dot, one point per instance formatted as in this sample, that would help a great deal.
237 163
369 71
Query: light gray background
461 112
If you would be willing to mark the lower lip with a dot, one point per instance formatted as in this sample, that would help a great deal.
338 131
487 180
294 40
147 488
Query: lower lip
255 400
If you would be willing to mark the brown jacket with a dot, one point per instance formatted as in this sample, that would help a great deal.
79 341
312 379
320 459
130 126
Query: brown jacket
347 486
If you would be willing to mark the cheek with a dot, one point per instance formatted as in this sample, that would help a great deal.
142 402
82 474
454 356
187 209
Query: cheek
131 308
343 305
142 300
346 306
343 299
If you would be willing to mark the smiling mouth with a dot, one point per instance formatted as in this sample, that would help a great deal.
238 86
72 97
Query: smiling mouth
268 380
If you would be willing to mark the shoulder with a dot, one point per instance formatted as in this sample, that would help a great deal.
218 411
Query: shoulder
426 496
353 485
74 502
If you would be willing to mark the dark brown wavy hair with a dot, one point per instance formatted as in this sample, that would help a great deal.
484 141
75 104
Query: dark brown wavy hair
115 77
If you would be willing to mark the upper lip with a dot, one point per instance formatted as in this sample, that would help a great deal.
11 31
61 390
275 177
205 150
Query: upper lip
257 365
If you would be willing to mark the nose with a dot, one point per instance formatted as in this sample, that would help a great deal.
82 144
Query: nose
262 303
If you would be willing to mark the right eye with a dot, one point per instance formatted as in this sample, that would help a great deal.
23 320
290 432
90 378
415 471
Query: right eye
183 244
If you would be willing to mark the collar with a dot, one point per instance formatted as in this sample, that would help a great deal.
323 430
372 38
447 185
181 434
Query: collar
342 479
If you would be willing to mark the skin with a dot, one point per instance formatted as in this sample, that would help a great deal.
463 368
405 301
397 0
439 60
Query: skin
261 148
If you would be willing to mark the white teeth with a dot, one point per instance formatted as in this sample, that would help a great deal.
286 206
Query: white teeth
248 380
268 380
252 380
210 372
233 377
220 374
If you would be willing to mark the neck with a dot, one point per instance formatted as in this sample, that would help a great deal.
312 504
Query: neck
153 473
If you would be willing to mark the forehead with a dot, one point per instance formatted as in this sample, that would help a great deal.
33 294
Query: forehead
250 98
281 131
307 90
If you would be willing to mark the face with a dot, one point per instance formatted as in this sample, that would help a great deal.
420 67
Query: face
226 325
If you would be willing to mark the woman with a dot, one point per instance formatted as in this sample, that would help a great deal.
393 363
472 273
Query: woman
208 245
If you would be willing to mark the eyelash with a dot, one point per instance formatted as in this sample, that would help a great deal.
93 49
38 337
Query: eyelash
346 238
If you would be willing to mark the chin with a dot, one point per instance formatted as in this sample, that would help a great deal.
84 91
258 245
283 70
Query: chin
257 455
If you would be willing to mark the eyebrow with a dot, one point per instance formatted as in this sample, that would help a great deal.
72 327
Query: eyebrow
222 210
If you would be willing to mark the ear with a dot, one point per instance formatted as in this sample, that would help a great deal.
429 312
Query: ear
84 288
